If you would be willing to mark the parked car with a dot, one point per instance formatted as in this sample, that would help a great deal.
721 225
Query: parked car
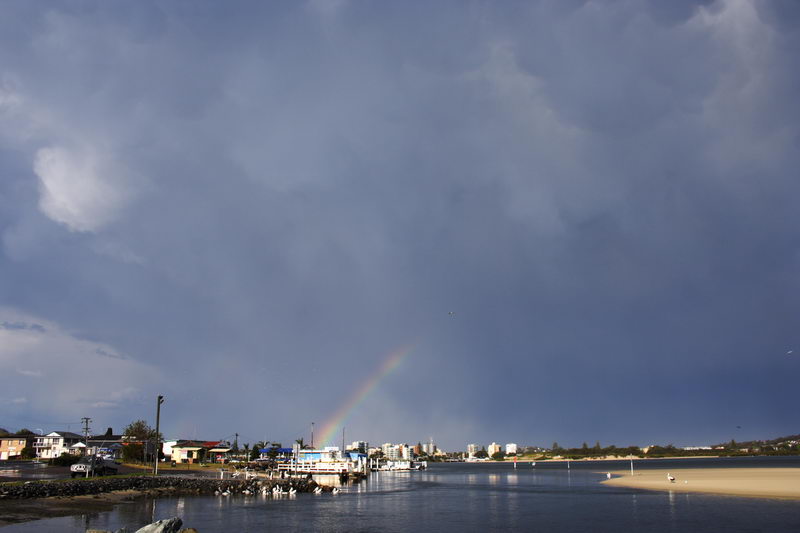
95 466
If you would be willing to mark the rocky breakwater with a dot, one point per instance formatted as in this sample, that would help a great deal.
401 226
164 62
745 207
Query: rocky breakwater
154 486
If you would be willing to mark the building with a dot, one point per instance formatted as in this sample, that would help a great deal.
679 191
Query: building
196 451
511 449
493 449
392 451
360 446
472 449
54 444
11 446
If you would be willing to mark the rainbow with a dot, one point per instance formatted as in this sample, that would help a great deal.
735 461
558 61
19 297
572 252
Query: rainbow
331 427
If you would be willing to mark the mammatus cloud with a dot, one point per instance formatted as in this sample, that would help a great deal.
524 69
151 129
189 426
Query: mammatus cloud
75 189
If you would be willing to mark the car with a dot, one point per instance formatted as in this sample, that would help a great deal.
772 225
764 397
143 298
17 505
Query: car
93 466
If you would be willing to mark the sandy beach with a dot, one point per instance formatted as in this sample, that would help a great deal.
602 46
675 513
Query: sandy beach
781 483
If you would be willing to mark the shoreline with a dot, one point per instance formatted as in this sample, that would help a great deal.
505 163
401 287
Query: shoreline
759 482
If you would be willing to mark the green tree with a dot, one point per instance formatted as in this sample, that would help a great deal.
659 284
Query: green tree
25 431
499 456
482 453
556 447
132 452
140 431
4 432
28 452
255 453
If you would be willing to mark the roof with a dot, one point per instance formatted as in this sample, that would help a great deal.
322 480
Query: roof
197 444
276 450
64 434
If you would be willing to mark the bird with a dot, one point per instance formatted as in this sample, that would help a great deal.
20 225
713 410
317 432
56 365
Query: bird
608 475
318 490
451 313
790 352
670 477
292 491
335 490
226 493
217 493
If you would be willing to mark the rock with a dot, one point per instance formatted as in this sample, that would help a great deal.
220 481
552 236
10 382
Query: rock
188 530
168 525
98 531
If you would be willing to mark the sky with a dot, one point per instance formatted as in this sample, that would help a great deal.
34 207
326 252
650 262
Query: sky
575 221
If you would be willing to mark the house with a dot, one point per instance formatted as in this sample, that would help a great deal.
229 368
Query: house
107 445
54 444
196 451
11 446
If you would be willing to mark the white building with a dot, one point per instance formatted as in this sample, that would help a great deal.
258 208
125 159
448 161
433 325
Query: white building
472 449
54 444
493 449
360 446
511 449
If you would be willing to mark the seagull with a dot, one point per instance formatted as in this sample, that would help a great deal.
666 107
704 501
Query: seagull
318 490
292 491
335 490
670 477
608 475
790 352
451 313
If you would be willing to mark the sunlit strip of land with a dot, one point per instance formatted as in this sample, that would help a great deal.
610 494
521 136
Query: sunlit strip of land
750 482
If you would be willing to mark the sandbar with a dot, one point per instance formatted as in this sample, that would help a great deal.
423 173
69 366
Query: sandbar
782 483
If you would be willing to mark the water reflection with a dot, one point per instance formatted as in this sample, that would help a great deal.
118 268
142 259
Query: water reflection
451 498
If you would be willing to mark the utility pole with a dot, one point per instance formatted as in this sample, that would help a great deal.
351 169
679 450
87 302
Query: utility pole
85 421
159 401
312 436
342 443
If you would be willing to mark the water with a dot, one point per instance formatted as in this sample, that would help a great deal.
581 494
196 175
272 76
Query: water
469 497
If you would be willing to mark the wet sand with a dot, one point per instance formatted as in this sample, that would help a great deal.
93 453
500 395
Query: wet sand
783 483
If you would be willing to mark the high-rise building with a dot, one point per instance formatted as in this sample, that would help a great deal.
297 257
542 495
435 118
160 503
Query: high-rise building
472 449
360 446
511 449
493 448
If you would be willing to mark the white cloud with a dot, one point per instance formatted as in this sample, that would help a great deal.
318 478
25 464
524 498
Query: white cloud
75 189
76 374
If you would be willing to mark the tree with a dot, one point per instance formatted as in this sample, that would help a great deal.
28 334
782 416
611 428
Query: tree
28 452
140 431
482 453
499 456
3 432
556 447
255 453
132 452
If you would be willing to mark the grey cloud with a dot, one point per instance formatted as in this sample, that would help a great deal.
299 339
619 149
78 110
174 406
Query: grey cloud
602 193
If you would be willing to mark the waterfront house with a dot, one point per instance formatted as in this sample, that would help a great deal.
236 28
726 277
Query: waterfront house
54 444
196 451
11 446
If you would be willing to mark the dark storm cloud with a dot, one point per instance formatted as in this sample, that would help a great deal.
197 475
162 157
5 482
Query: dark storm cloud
263 201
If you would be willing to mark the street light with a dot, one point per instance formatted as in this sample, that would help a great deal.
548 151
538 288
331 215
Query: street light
159 401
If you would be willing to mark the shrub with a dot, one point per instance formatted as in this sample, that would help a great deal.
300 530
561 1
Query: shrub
66 459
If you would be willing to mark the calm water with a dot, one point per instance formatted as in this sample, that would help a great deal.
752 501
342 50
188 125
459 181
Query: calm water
469 497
